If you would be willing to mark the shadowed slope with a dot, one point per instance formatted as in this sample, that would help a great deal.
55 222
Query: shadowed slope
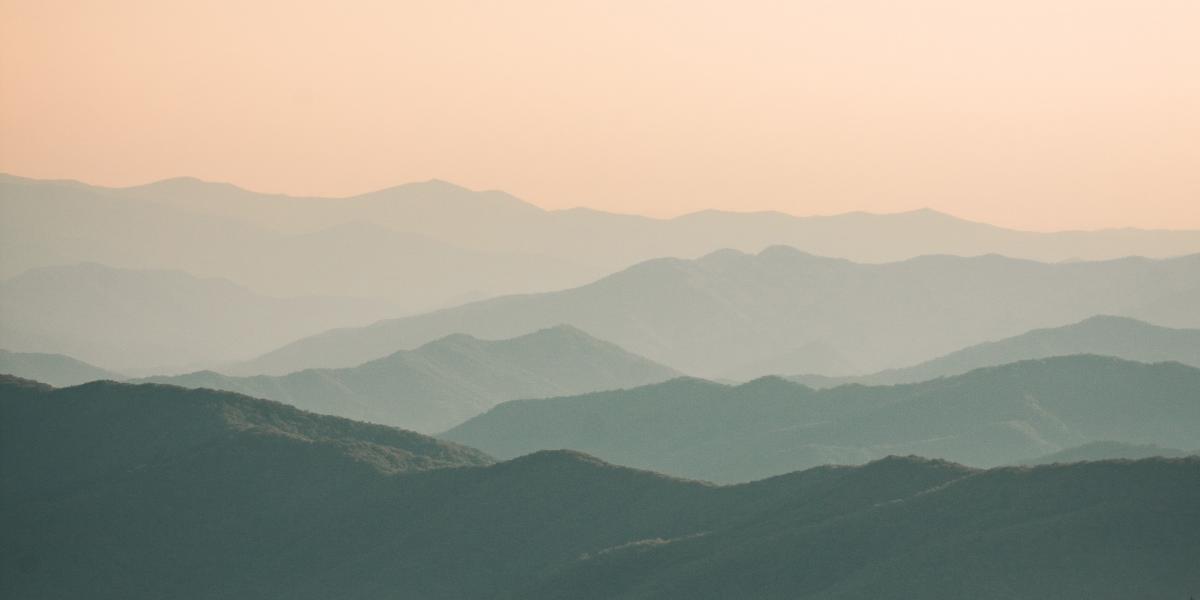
118 491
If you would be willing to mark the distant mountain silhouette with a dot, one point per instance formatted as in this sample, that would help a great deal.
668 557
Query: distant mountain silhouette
988 417
435 241
1121 337
180 224
450 380
137 319
118 491
54 369
1107 451
728 311
494 221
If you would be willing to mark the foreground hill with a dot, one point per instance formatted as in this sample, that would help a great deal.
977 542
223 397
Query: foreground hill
450 380
54 369
137 319
992 416
714 315
119 491
1120 337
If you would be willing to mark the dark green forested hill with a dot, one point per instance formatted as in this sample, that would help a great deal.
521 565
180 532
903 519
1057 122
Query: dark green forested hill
447 381
149 491
988 417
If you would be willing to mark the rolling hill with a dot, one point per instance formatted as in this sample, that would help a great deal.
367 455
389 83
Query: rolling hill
1120 337
988 417
447 381
717 314
149 491
54 369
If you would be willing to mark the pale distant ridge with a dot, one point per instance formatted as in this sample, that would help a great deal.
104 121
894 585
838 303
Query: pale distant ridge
214 227
730 313
133 318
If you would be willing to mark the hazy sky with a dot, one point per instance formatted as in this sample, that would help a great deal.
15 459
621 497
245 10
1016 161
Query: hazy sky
1040 114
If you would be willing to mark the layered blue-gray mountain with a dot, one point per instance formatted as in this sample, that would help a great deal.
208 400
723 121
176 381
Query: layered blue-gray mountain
1120 337
139 320
136 492
988 417
433 243
447 381
727 312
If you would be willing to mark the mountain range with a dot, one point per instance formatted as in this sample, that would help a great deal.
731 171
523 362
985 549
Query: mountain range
1096 451
53 223
149 491
449 380
428 243
494 221
1120 337
730 313
131 320
987 417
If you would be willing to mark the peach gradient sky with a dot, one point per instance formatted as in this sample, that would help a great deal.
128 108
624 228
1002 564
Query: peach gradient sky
1037 114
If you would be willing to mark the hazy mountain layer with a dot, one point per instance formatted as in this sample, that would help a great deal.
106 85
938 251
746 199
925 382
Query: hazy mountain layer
1120 337
1107 451
48 223
993 416
716 315
133 319
450 380
54 369
130 492
494 221
423 244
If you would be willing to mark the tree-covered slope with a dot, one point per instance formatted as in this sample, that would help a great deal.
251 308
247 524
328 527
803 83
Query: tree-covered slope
119 491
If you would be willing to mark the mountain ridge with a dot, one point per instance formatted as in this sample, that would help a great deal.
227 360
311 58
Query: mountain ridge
727 433
448 380
104 468
729 309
